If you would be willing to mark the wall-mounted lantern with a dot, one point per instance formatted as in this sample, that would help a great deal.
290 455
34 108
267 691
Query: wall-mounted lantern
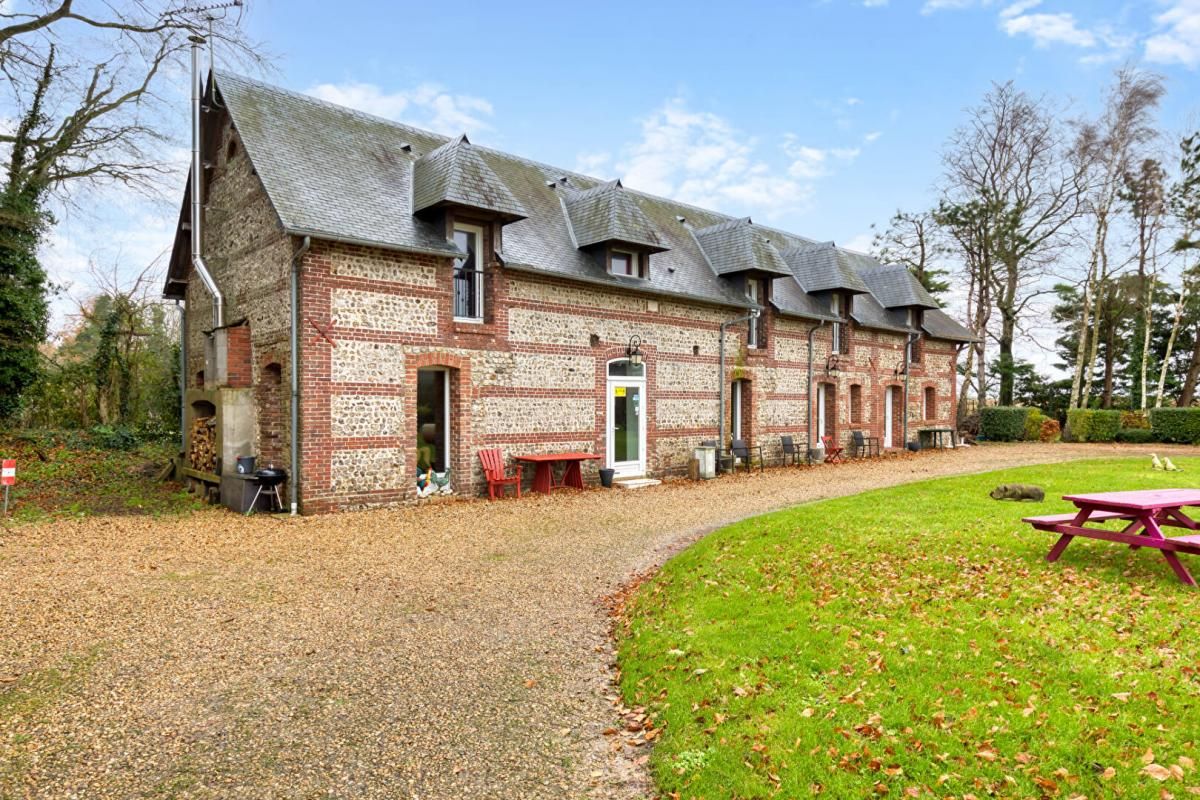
833 366
634 350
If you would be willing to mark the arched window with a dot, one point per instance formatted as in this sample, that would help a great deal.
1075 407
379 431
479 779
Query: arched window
929 409
624 368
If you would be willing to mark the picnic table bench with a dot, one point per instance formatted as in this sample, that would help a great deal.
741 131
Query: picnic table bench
543 476
1147 513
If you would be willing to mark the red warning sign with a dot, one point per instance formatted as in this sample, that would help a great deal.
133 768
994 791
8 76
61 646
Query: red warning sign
8 472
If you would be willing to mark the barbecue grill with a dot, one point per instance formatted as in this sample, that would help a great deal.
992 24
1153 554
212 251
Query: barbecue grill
269 480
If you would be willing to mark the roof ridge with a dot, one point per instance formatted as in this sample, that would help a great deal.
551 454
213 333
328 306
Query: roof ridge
549 168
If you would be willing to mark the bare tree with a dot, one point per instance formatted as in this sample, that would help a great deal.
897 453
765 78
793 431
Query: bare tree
1012 189
911 239
99 70
1109 147
1144 193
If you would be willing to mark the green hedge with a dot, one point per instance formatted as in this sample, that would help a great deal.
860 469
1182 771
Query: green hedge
1136 436
1093 425
1176 424
1033 425
1003 423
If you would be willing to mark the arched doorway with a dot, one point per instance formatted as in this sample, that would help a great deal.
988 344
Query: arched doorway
625 421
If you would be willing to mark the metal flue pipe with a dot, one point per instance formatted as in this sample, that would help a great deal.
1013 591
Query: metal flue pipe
294 478
198 189
753 315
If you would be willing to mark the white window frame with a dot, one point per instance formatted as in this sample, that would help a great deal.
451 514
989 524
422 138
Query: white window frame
444 373
478 231
635 263
754 292
735 411
835 307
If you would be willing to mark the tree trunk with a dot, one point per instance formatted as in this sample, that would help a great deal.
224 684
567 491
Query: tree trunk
1109 347
1085 324
1188 394
1162 372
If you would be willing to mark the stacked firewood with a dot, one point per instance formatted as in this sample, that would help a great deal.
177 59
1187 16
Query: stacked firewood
202 447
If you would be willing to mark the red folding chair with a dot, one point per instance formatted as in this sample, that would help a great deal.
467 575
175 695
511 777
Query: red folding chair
833 453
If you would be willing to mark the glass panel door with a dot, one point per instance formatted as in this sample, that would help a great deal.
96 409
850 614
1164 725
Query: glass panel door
627 424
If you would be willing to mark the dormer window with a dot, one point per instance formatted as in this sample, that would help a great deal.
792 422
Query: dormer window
627 263
837 307
913 317
468 275
756 293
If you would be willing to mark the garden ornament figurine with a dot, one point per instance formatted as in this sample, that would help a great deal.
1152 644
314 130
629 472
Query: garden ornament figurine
1018 491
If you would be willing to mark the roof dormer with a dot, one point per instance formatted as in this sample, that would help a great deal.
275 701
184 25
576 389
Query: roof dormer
738 246
609 215
897 289
456 176
825 267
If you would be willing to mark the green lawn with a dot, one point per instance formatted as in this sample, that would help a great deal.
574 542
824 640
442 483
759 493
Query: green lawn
913 642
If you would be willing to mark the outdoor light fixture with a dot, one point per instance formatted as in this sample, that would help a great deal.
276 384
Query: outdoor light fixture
833 365
634 350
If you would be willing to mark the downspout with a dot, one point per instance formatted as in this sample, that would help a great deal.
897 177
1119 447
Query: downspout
198 188
294 483
182 376
808 433
753 315
912 337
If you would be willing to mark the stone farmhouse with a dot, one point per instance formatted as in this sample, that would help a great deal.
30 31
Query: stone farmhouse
441 298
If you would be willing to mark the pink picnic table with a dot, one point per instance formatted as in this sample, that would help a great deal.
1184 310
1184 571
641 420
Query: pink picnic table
1147 513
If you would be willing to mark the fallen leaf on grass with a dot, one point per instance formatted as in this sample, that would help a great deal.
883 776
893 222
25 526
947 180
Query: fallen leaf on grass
1157 771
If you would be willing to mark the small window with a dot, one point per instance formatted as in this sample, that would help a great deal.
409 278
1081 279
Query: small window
468 274
856 404
914 350
840 339
624 368
231 150
756 336
626 263
929 410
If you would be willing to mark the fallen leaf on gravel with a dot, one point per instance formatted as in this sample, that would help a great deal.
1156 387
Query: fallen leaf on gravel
530 683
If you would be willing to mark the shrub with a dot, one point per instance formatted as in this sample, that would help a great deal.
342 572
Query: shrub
1135 420
114 438
1093 425
1003 423
1176 424
1051 431
1136 435
1033 425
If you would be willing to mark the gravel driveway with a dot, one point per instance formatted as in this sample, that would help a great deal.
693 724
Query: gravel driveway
448 651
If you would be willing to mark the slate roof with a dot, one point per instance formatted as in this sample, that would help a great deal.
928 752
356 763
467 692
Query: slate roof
824 267
338 174
608 213
739 245
941 325
456 173
895 287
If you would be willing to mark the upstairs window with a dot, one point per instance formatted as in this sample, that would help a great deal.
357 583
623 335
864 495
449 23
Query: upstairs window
756 336
913 317
627 263
468 274
841 342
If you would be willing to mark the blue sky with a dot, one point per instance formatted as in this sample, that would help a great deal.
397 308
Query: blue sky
819 117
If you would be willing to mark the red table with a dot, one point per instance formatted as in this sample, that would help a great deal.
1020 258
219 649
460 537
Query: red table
572 475
1146 512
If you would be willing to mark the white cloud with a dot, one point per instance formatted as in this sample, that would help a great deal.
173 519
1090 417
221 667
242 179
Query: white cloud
1178 40
875 3
427 105
860 243
933 6
597 164
1019 7
699 157
1048 29
853 101
872 136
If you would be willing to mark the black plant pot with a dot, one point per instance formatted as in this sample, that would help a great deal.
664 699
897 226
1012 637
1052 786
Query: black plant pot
914 447
606 477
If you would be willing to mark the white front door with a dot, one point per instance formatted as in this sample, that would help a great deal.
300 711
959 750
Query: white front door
888 400
820 412
736 401
626 418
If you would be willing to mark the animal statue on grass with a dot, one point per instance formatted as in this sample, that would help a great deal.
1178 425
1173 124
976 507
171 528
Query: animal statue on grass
1018 492
1165 464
